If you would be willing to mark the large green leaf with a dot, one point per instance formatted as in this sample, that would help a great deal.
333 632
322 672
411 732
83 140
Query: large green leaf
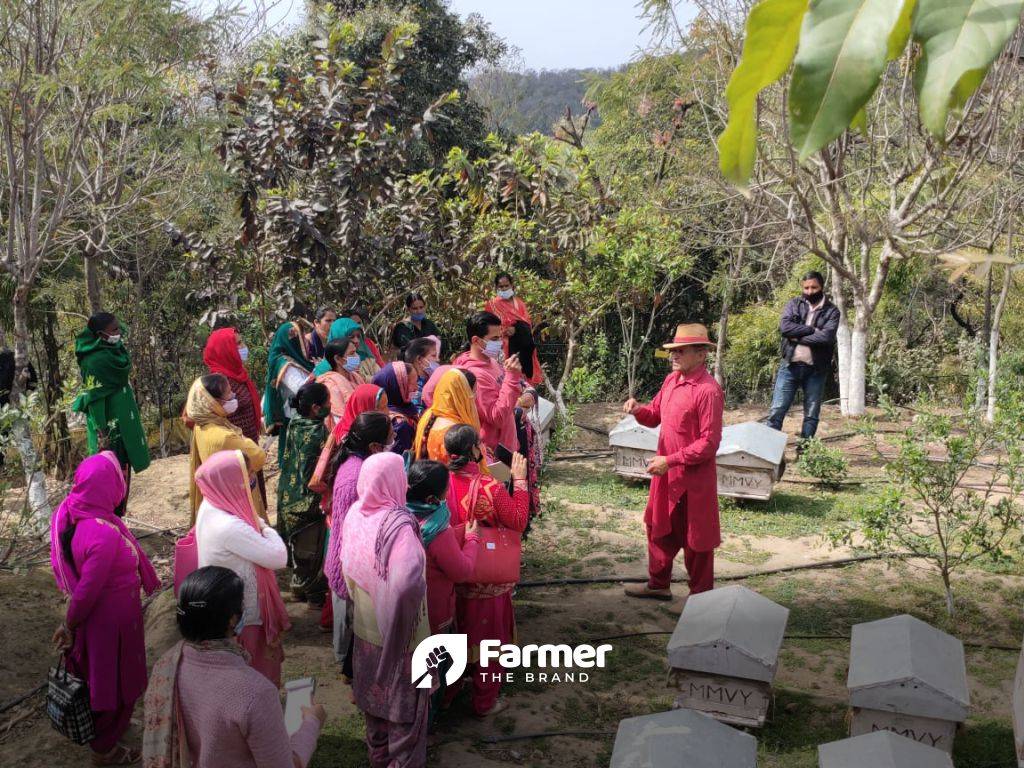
960 39
844 46
771 37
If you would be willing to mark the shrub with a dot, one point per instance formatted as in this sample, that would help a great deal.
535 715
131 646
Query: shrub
753 352
827 465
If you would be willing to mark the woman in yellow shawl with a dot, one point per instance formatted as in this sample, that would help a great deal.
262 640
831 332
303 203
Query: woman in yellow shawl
453 404
210 401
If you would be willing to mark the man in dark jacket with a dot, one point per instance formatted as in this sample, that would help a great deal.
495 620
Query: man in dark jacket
808 328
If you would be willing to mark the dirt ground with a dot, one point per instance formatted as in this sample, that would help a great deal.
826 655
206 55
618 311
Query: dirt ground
591 528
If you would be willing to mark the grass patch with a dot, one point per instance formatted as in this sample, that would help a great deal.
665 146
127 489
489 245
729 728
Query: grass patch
342 744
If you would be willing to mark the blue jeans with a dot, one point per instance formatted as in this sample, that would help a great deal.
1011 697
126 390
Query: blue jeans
794 376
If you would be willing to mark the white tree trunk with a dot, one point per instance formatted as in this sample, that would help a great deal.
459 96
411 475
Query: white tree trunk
857 387
844 338
993 346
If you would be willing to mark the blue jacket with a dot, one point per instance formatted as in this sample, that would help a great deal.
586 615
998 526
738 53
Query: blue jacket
821 337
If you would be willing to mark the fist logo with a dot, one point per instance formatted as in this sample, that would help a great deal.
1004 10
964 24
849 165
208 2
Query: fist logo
445 653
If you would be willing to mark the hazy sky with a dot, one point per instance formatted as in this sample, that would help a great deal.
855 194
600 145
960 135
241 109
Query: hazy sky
551 34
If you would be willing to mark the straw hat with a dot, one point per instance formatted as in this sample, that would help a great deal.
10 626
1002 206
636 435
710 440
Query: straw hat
690 335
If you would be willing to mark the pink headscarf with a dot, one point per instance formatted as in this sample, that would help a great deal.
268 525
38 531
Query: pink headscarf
431 385
224 482
382 486
98 488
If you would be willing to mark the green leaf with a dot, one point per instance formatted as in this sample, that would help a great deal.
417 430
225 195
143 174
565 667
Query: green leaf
959 39
773 28
844 45
901 32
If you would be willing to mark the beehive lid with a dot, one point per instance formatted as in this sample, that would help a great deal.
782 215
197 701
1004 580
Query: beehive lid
629 433
730 631
545 413
659 741
881 749
754 438
901 664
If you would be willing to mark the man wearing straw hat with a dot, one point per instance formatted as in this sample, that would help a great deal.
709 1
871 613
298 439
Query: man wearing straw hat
682 510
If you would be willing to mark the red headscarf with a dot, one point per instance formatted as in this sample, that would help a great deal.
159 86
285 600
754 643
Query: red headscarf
221 356
364 398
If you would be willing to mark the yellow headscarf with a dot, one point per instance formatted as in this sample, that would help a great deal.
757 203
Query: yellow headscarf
202 408
453 400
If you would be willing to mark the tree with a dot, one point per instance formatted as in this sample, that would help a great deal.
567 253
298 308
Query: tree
862 200
954 493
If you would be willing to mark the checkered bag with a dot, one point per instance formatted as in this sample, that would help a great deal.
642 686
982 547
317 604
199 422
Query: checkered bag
67 705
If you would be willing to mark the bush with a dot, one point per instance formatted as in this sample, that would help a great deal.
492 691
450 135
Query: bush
827 465
598 373
753 352
902 374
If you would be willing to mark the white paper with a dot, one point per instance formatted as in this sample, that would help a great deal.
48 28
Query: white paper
299 694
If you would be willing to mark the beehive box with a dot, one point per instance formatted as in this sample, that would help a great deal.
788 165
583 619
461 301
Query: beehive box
750 457
543 419
881 749
1018 711
634 445
724 654
681 737
750 460
909 678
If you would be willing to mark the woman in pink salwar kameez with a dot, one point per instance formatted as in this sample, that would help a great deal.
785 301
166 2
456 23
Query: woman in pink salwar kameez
484 611
100 566
384 566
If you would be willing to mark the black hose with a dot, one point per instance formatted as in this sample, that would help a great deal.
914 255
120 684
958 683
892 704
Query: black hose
541 735
735 577
12 703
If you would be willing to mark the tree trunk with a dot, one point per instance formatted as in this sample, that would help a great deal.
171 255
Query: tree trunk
980 348
993 345
570 361
35 480
723 329
844 338
53 389
857 373
93 285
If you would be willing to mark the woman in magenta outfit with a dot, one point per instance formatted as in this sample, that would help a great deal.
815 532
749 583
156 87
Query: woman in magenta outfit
100 566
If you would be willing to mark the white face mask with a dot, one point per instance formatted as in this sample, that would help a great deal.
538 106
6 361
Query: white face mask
493 347
114 339
243 352
507 294
230 406
352 363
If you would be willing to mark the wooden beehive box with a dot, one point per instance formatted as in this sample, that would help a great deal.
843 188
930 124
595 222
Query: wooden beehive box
750 457
881 749
909 678
724 654
1018 711
634 445
750 460
681 737
543 419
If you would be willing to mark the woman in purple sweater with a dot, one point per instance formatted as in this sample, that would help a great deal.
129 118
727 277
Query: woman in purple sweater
370 433
205 706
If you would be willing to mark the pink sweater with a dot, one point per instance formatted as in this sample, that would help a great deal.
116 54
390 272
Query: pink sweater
233 715
497 392
447 565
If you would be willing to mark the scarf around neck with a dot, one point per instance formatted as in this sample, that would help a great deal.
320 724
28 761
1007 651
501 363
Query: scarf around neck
433 518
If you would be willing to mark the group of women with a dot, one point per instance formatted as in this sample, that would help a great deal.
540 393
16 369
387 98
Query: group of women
386 485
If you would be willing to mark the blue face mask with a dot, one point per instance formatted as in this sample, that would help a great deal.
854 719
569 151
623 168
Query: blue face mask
507 294
243 352
493 347
240 625
431 367
352 363
419 317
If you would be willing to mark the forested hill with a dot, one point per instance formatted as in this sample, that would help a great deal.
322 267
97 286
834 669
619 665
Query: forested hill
523 102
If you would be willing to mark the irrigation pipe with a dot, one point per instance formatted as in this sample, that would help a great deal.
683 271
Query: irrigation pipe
540 735
734 577
12 703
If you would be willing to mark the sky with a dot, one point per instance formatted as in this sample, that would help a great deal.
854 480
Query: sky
550 34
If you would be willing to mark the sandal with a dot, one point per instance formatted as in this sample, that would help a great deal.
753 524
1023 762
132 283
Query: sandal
119 755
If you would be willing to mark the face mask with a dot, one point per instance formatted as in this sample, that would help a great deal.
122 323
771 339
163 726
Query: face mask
814 298
114 339
240 625
243 352
493 347
419 317
230 406
431 367
507 294
352 363
389 447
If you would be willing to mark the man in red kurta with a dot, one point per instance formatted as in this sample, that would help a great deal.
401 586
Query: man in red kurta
682 510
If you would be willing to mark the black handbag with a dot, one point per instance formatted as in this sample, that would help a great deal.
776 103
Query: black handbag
67 704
